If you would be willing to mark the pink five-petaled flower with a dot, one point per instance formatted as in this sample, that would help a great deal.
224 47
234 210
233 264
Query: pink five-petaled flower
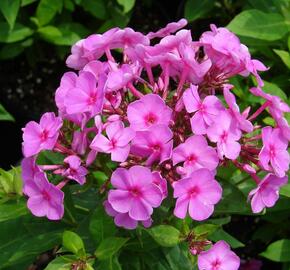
198 194
274 150
86 97
218 257
42 136
267 192
226 136
206 111
135 193
123 219
196 154
117 142
155 143
148 111
28 170
75 171
44 198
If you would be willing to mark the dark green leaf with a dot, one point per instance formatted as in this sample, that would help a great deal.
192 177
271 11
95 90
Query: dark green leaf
220 234
18 33
285 190
257 24
126 4
285 57
73 243
206 229
46 10
10 51
109 247
96 7
9 9
195 9
278 251
165 235
12 209
4 115
60 263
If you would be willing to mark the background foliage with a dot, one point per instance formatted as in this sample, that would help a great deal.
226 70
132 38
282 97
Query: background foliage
34 32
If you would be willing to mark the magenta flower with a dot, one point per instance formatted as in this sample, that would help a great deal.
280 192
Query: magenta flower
267 192
161 182
42 136
197 194
77 59
117 142
135 193
123 219
149 111
196 154
226 136
75 171
218 257
274 151
85 97
29 169
44 198
80 142
205 111
155 143
234 109
168 29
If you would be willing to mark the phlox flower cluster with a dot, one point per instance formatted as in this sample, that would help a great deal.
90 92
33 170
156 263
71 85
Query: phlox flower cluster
161 107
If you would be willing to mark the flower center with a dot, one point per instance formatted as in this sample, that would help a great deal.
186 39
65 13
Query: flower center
216 264
45 195
192 159
44 135
224 136
150 119
193 191
92 99
113 143
156 147
202 108
135 192
272 151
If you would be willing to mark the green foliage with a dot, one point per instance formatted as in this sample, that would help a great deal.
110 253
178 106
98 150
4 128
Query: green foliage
109 246
165 235
278 251
197 9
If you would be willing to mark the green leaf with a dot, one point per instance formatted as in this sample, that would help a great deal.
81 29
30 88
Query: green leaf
165 235
109 247
285 57
9 51
278 251
60 263
61 35
73 243
126 4
195 9
205 229
12 210
257 24
285 190
95 7
274 89
46 10
220 234
27 2
4 115
101 225
10 181
9 9
110 264
18 33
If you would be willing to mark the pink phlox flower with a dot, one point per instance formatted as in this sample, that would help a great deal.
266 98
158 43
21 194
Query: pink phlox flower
85 97
44 198
282 124
80 142
234 109
205 111
148 111
196 194
77 59
276 106
75 171
135 193
29 168
218 257
190 69
130 38
123 219
42 136
168 29
117 142
267 192
161 183
226 135
274 151
97 68
195 154
155 143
